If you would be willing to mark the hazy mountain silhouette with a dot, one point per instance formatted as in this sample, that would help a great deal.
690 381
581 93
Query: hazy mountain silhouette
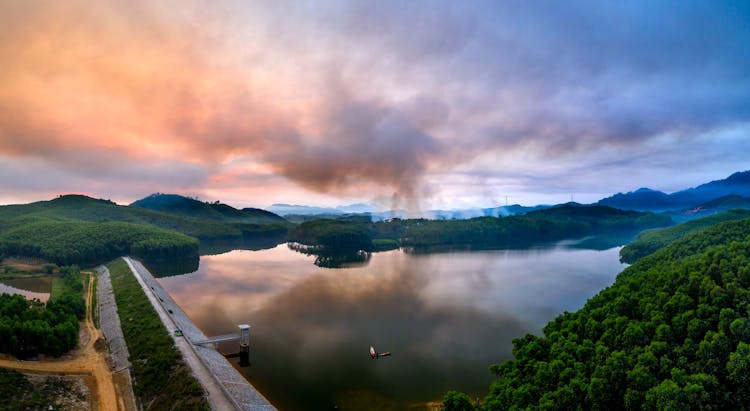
738 184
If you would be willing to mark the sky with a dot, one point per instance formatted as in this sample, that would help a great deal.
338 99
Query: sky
417 104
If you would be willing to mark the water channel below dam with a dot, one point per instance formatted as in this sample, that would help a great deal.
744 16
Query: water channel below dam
445 317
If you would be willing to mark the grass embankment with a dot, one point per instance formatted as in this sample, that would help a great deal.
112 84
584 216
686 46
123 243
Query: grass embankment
95 301
161 380
59 288
71 283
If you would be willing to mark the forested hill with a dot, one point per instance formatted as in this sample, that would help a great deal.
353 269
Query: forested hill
602 217
90 243
651 240
541 226
82 208
75 229
721 204
728 202
551 224
672 332
188 207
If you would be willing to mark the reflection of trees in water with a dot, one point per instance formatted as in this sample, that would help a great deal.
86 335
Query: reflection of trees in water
172 267
444 317
248 242
598 242
312 352
330 258
333 260
169 268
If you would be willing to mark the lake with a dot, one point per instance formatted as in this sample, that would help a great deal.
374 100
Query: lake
30 288
444 316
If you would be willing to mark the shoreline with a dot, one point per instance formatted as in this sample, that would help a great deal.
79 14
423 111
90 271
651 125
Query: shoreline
224 384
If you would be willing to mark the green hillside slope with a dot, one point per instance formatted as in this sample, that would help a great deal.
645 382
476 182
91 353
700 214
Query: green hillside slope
652 240
727 203
82 208
188 207
82 230
551 224
672 332
89 243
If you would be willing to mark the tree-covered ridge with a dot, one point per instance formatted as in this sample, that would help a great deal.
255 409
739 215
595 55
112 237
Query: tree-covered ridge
652 240
75 229
189 207
728 202
88 243
551 224
341 235
82 208
672 332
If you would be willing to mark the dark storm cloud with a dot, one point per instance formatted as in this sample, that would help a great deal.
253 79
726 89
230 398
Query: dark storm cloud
367 142
554 79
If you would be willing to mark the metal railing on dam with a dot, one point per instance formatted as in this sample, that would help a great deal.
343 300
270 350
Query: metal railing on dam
226 387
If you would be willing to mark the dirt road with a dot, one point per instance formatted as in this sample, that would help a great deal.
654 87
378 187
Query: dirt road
88 359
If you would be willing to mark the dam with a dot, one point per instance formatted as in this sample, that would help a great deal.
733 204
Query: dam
227 389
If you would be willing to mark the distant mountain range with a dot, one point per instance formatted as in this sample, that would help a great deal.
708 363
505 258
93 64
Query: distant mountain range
705 199
645 199
710 198
288 210
293 209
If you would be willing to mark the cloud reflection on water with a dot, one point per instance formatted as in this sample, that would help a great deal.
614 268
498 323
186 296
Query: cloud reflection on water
445 317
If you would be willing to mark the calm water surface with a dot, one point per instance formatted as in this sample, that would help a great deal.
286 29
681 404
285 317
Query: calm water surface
445 317
30 288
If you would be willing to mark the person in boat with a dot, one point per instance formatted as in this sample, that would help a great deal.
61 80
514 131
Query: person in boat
374 354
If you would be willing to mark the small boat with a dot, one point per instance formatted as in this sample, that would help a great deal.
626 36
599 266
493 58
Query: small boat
375 355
